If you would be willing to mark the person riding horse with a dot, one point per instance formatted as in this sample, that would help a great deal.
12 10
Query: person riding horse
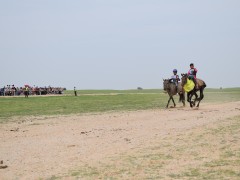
172 87
175 78
191 85
192 75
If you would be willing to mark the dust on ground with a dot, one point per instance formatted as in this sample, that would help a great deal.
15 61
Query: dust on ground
45 147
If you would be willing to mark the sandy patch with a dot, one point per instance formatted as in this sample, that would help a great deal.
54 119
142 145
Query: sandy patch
36 148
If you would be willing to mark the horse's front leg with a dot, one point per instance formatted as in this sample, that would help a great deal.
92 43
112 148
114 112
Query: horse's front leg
196 98
173 102
183 99
188 95
190 99
168 101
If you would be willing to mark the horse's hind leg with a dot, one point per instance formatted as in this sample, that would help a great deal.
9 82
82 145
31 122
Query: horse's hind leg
201 97
195 99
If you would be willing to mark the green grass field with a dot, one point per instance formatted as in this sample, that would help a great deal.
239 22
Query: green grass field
94 101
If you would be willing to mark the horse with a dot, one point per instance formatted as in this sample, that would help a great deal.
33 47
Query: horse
201 86
172 90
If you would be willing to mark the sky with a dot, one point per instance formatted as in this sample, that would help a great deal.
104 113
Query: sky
118 44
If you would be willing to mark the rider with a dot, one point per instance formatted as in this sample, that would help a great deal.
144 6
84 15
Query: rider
175 77
192 74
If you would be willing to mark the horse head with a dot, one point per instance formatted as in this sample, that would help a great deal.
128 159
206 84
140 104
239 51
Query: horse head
184 78
165 84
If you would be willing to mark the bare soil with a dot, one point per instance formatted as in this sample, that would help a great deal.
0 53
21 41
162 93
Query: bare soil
43 147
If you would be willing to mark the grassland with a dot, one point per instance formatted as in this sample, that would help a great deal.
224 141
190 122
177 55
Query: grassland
199 151
94 101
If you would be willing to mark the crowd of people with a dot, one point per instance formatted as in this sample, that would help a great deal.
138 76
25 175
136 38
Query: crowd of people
11 90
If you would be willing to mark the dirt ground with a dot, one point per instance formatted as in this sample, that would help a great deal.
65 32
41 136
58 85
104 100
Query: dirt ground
43 147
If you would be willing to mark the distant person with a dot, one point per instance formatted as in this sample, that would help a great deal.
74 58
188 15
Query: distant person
192 74
8 91
26 91
13 90
4 90
75 92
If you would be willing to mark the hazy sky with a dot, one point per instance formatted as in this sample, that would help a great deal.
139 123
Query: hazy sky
118 44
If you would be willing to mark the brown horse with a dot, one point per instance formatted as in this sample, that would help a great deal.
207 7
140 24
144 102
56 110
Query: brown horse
201 86
172 90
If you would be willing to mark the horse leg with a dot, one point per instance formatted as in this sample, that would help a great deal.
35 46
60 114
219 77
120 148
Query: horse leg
173 102
196 97
190 99
201 97
168 101
182 98
193 93
188 95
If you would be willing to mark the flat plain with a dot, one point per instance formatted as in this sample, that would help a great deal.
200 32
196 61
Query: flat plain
107 134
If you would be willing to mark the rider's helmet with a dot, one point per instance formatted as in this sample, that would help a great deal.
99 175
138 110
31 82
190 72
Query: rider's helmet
191 64
175 70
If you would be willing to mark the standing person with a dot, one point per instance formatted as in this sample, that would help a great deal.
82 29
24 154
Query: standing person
13 90
8 90
75 92
26 91
192 74
4 89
